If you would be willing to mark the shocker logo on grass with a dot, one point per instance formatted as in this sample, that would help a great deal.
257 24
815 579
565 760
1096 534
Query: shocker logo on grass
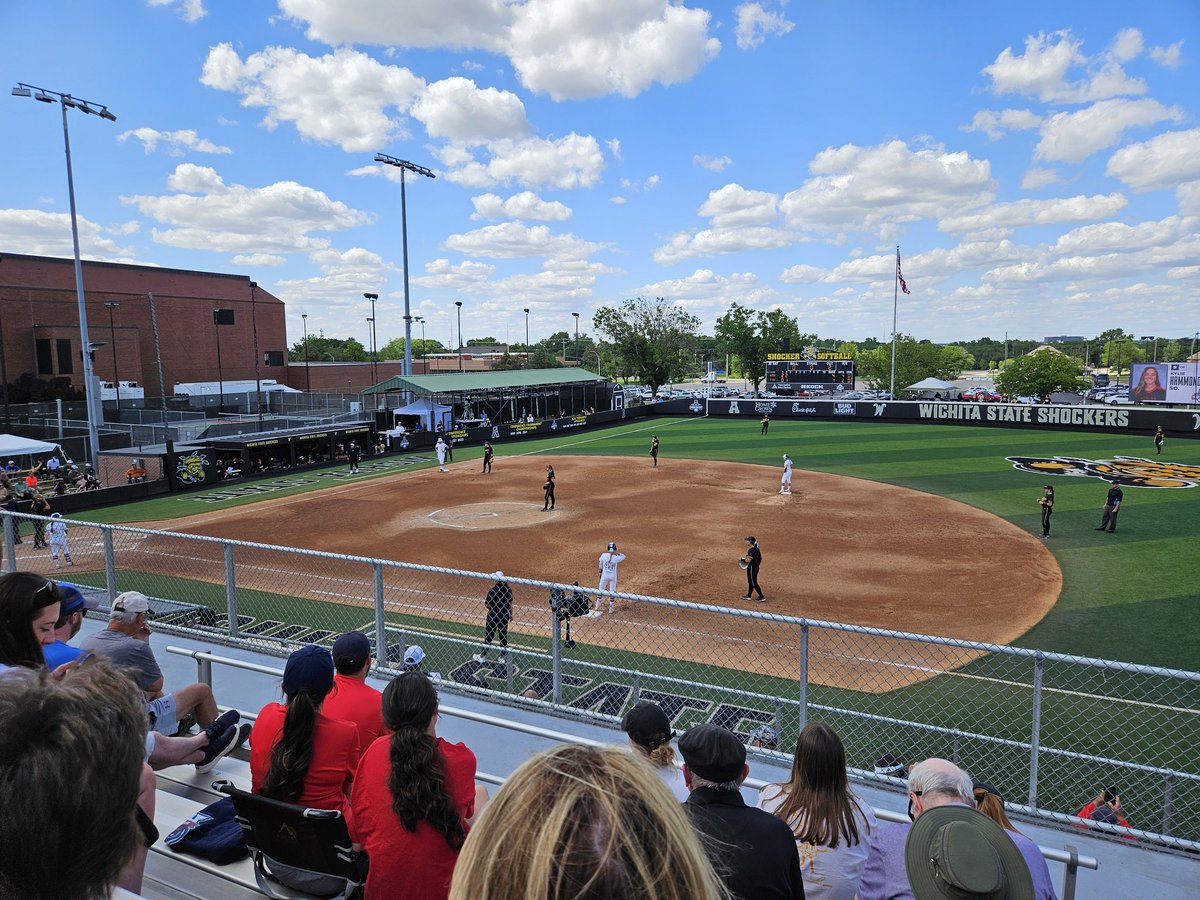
1130 471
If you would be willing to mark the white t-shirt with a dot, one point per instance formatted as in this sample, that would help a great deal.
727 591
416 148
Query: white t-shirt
829 873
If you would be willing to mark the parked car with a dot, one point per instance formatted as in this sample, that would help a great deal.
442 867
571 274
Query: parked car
855 395
1120 399
981 395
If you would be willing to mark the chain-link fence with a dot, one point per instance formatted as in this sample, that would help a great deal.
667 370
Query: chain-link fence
1048 730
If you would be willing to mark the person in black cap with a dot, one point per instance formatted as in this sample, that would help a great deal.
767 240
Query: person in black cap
1047 505
499 603
751 562
753 852
1112 506
352 699
649 732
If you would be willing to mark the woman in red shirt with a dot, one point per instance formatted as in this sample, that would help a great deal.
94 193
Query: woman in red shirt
298 755
414 797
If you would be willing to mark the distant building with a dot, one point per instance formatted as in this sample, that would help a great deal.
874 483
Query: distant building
1063 339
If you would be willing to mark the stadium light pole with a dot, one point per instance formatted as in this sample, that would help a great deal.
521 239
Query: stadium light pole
374 355
1151 337
458 303
254 329
111 305
424 368
220 370
405 166
576 315
87 107
527 337
307 373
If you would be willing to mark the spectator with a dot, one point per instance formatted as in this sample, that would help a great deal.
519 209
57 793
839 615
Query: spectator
753 852
70 776
414 797
584 822
937 783
52 465
135 473
891 765
1106 808
70 619
414 661
989 802
299 755
649 732
831 825
12 504
352 699
39 507
29 609
11 466
953 852
764 737
126 642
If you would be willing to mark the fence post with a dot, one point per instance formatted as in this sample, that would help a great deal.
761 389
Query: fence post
1168 782
110 563
555 659
381 642
1035 737
10 548
230 590
1072 873
803 674
956 747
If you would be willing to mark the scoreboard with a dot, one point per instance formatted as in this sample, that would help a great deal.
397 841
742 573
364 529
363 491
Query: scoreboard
824 370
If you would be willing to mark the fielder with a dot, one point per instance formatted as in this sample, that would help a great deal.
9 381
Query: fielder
609 560
58 539
440 449
785 483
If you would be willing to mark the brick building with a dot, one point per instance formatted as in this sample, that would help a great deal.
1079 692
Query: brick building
39 323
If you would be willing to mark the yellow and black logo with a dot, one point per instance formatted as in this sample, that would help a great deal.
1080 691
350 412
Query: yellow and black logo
1129 471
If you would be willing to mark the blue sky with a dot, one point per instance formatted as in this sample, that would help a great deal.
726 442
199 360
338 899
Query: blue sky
1038 163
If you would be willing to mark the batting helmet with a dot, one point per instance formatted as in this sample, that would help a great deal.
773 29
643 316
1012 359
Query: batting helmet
612 548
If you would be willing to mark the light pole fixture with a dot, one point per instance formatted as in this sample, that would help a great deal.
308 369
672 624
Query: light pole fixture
1150 337
374 360
88 108
111 305
405 166
254 329
527 337
458 303
577 360
307 373
219 317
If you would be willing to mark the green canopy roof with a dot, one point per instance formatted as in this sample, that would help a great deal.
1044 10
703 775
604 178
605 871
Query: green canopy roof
464 382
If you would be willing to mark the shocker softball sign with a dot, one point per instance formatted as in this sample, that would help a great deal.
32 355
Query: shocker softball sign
1130 471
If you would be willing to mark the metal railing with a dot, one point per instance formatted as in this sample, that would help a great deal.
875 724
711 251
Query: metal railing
1048 729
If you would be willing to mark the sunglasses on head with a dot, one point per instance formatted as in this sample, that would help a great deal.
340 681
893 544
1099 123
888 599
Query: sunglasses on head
49 585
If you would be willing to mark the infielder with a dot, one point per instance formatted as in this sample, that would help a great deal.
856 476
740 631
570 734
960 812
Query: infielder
58 539
752 559
440 449
487 457
785 483
609 560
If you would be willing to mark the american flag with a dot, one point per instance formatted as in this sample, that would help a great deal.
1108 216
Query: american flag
899 275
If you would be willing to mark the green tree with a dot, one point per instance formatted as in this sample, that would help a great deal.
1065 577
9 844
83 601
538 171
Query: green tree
394 349
957 358
915 361
1039 374
507 361
1172 351
751 334
1118 353
652 339
323 349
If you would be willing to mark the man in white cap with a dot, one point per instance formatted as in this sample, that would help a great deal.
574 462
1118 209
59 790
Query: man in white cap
609 560
126 643
785 483
414 661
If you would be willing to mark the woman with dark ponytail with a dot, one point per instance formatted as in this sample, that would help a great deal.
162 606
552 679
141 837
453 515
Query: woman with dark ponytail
414 797
299 755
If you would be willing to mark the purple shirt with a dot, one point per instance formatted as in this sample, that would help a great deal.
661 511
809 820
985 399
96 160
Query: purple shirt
885 878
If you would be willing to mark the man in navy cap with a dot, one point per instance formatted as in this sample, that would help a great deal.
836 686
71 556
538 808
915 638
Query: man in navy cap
352 699
753 852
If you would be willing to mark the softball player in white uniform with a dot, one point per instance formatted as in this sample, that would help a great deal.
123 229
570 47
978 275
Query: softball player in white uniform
785 483
609 560
440 449
58 539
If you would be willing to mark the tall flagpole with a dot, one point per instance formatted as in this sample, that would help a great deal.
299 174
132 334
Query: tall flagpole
895 304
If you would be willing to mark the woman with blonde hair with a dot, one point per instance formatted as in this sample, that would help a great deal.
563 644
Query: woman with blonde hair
989 802
583 823
649 732
831 825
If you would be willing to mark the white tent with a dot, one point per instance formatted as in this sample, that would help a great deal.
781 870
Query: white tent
14 445
427 411
932 386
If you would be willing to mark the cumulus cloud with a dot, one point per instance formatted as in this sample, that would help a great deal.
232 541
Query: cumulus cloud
708 294
41 233
525 205
645 185
1189 198
1037 177
1022 213
1044 70
176 142
1074 136
189 10
714 241
466 24
514 240
614 147
344 276
341 98
1161 162
459 110
258 259
733 206
204 213
754 24
712 163
994 123
1168 57
801 273
573 161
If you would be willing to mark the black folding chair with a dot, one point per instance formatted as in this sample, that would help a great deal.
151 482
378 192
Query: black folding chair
313 842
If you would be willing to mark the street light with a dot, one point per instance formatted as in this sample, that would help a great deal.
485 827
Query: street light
110 305
307 374
404 165
527 337
374 360
424 368
89 108
458 303
1150 337
576 315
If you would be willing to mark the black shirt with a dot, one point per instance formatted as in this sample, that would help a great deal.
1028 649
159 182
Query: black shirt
753 852
499 600
754 556
1115 496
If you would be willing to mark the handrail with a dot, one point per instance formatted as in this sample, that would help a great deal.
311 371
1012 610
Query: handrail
205 659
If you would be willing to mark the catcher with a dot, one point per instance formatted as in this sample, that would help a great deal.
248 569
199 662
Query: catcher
751 562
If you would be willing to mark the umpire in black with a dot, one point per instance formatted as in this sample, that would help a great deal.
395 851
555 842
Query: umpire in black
499 602
752 559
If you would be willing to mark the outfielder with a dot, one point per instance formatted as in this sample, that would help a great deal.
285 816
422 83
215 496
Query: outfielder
58 539
440 449
609 560
785 483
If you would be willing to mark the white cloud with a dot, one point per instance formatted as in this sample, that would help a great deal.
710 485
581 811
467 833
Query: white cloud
1189 198
733 206
513 240
707 294
133 226
1161 162
1038 177
176 141
644 186
459 110
801 273
1022 213
41 233
1074 136
340 98
713 241
712 163
570 162
345 275
1043 70
1127 45
1168 57
466 24
867 188
754 24
204 213
614 147
258 259
1117 237
618 200
525 205
994 123
189 10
